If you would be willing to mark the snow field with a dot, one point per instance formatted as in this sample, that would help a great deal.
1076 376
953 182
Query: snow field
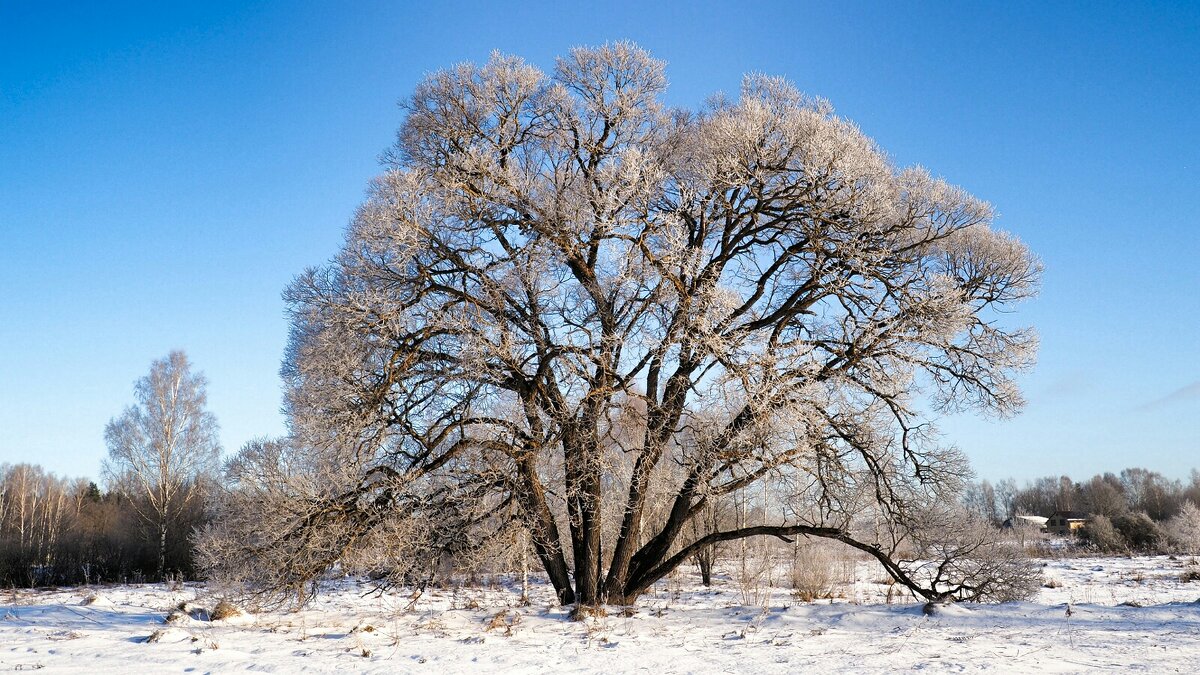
1125 614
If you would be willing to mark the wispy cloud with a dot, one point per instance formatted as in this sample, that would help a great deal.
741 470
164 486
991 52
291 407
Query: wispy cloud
1185 393
1070 384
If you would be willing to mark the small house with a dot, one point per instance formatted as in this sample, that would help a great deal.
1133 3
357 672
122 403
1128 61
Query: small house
1036 522
1066 523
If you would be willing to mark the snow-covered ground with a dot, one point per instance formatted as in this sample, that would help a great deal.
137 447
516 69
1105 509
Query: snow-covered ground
1125 614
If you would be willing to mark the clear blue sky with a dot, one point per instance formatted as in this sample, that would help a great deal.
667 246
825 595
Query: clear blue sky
165 170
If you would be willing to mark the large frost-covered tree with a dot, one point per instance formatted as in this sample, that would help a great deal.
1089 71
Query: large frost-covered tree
566 305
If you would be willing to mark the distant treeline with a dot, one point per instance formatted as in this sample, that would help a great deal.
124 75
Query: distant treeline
1135 510
58 531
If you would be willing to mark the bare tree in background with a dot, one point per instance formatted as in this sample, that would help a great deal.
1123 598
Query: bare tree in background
34 508
713 516
980 499
161 448
778 299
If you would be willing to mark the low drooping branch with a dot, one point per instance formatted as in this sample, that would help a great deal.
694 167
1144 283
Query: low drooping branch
639 585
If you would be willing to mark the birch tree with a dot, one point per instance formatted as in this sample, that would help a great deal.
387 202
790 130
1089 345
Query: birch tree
544 250
161 448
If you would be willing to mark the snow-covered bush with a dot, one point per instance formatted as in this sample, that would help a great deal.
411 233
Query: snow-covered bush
1140 532
1183 529
1101 535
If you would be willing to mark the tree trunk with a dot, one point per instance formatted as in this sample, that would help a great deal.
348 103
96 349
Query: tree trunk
586 541
705 561
581 452
661 421
162 548
524 570
544 531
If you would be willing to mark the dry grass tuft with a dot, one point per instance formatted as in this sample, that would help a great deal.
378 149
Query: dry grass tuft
504 619
584 612
226 610
176 616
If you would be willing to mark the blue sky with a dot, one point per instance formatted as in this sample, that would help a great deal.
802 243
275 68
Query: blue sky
165 170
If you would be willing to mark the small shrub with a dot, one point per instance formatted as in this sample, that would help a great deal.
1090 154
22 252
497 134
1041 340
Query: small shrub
813 573
753 573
